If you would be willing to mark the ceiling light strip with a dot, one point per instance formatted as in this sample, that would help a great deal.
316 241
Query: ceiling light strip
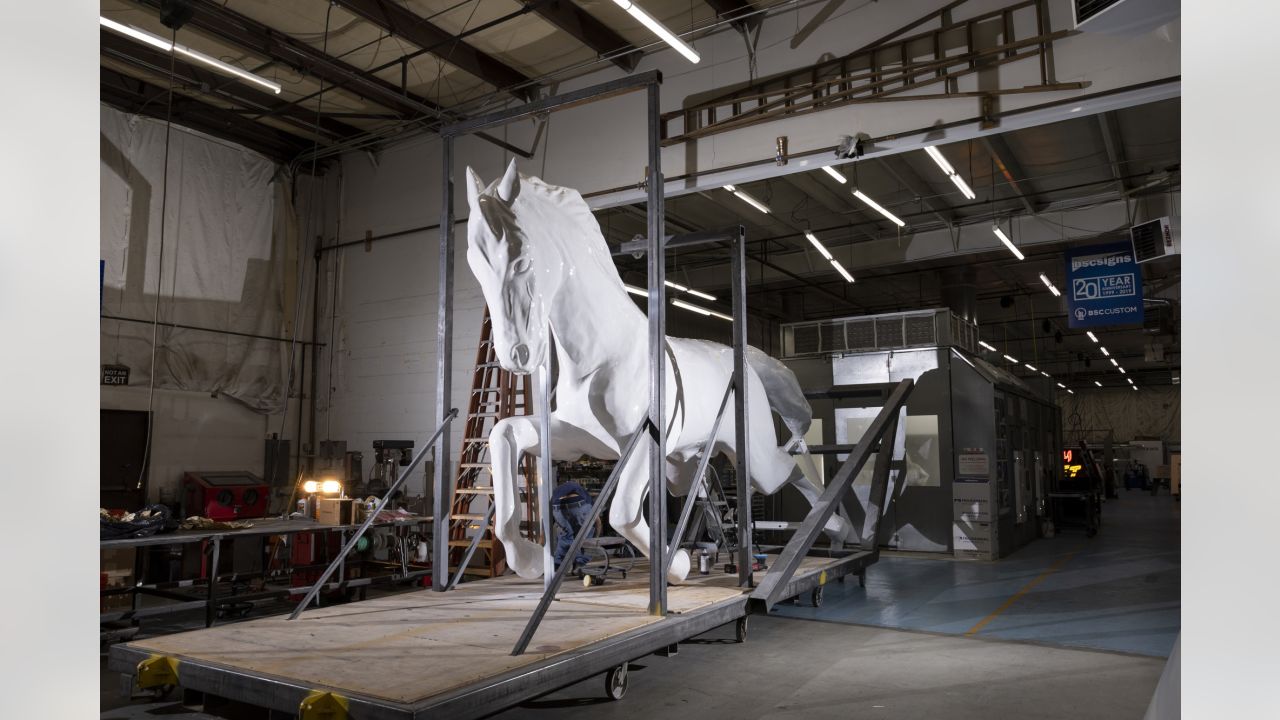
1007 242
950 172
876 206
660 30
158 42
835 174
747 199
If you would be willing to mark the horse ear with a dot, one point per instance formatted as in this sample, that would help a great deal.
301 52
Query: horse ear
474 187
509 186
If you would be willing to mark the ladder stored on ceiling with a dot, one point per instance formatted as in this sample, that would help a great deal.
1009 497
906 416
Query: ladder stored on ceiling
495 394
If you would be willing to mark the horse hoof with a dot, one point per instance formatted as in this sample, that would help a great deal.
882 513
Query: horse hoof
679 568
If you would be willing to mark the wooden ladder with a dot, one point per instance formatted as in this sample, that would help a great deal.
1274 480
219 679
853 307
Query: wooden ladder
495 394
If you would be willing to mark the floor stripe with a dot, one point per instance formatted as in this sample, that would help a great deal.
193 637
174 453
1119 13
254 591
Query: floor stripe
1025 589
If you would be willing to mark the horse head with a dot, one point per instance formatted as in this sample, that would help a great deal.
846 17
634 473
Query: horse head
518 275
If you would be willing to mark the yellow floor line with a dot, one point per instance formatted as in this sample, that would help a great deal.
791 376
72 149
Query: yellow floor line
1025 589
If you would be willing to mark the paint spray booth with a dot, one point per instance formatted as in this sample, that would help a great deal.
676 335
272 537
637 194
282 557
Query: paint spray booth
978 445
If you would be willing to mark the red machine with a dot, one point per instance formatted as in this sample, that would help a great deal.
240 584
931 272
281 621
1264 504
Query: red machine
228 495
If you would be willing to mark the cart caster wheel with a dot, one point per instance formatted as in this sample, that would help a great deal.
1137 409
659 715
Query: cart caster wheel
615 682
586 581
816 597
740 629
163 692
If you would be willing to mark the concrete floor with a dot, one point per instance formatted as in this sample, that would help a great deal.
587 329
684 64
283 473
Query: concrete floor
1086 639
1119 590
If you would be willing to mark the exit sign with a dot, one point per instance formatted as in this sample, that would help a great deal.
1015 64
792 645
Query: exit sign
115 375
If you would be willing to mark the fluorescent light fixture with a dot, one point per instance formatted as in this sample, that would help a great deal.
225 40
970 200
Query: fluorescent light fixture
310 486
136 34
1122 372
1007 242
1091 335
700 310
826 254
963 187
1113 362
942 162
635 290
840 269
1130 380
1073 392
1045 374
1031 367
677 286
1105 353
984 344
1011 358
1098 383
1064 387
950 172
835 174
330 487
158 42
747 199
876 206
687 306
699 293
1047 283
1135 388
659 29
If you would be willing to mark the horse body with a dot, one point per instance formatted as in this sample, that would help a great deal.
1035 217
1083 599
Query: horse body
551 286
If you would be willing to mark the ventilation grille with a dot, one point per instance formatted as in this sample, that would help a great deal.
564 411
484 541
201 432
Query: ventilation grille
1086 9
891 331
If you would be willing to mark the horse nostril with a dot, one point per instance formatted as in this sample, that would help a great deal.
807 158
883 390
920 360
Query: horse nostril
520 354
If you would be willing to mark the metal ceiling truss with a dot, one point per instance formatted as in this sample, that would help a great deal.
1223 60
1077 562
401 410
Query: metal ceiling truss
406 24
132 95
190 77
733 10
883 71
587 30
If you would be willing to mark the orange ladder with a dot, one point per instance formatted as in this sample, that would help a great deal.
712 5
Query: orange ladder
495 394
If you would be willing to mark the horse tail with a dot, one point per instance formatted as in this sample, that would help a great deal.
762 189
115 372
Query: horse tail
783 391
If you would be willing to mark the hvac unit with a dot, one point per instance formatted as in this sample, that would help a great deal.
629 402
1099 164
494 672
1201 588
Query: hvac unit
1152 240
1124 16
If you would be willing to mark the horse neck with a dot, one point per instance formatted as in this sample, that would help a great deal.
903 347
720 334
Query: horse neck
595 322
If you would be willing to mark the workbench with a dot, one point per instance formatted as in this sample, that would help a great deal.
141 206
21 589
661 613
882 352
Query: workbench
180 591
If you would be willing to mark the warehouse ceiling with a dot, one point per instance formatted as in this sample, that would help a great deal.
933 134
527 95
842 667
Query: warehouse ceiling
394 66
1034 174
385 66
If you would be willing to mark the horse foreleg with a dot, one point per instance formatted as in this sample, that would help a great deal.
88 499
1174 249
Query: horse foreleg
626 512
510 439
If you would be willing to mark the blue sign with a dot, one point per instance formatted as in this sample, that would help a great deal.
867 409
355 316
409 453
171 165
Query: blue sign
1104 286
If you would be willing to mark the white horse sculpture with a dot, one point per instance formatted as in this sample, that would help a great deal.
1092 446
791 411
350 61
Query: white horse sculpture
545 269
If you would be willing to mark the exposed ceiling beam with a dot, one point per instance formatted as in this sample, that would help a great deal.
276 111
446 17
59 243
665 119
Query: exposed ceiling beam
1109 125
410 26
1009 167
195 78
132 95
237 29
587 30
899 169
814 187
732 9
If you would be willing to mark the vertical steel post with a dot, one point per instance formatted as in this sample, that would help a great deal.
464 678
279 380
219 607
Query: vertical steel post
657 364
444 375
742 469
546 477
210 602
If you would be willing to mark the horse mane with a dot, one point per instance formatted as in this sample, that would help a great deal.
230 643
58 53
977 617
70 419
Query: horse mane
570 202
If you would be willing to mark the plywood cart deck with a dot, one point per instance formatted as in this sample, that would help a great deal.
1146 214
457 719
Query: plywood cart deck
447 655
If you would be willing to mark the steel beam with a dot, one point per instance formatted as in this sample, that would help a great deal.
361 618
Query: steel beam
557 102
732 10
405 24
245 32
139 96
657 360
769 593
195 78
1109 125
442 493
1012 171
742 468
899 169
587 30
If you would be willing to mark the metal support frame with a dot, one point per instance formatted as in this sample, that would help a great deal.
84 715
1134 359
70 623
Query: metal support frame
743 469
657 364
597 507
546 468
471 549
699 478
878 437
386 499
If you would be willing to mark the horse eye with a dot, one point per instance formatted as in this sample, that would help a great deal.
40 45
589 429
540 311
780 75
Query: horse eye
520 265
